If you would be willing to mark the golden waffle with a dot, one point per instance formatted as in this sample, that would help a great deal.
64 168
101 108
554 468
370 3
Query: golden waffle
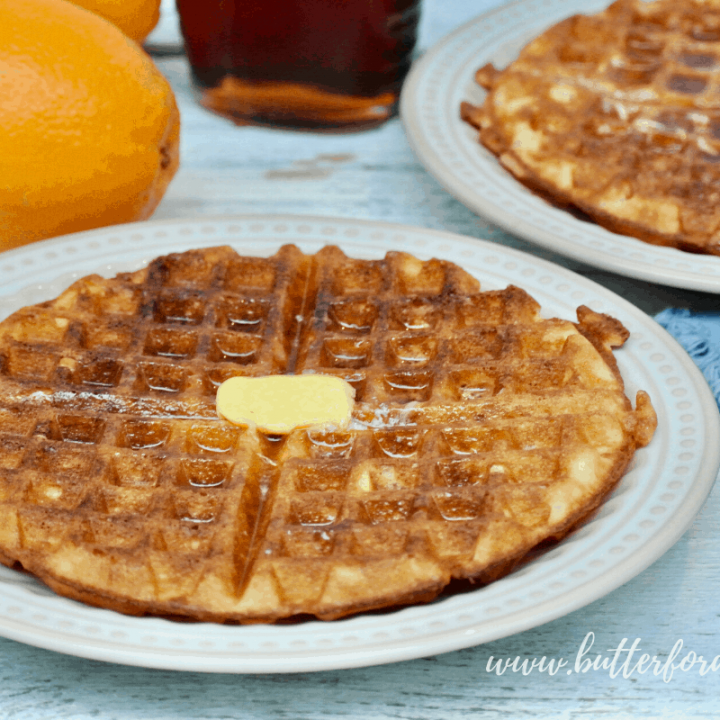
480 430
618 115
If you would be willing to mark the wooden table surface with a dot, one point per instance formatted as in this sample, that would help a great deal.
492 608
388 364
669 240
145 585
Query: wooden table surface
374 175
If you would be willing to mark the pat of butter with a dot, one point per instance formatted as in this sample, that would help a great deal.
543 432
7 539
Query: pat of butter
279 403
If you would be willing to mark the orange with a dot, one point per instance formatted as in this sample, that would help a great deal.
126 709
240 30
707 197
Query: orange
89 128
136 18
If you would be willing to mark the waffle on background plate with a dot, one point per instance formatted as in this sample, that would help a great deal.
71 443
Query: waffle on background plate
479 430
618 115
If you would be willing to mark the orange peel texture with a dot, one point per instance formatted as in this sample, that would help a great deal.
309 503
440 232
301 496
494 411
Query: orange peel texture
136 18
90 127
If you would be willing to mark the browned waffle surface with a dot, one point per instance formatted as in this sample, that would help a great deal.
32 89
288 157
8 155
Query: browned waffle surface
618 114
480 429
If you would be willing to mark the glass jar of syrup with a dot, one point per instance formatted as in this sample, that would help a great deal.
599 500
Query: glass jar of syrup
306 64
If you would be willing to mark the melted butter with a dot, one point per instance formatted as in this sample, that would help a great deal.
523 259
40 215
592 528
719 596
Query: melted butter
280 403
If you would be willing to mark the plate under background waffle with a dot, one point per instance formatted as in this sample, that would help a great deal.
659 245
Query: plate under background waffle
448 148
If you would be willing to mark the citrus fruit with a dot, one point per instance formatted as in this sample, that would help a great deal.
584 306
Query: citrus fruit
89 128
136 18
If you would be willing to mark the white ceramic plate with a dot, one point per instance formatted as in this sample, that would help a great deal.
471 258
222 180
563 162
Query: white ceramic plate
654 504
450 151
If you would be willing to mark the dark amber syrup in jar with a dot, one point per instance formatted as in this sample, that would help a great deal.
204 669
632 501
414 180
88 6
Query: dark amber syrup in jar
313 64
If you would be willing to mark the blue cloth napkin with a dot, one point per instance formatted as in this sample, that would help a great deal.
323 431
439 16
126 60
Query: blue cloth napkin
699 334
